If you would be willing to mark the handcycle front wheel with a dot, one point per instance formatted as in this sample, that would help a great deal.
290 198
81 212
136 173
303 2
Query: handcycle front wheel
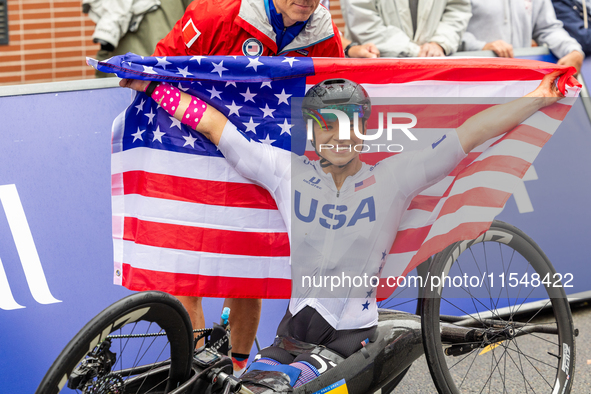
488 337
142 343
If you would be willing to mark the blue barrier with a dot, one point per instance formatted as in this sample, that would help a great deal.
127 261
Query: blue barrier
55 222
55 160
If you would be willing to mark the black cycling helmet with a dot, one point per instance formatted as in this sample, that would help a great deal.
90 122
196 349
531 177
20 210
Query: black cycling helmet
342 94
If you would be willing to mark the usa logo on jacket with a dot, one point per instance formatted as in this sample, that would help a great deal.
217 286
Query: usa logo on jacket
252 47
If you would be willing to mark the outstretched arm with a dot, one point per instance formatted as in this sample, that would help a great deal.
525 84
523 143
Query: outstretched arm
500 119
266 165
212 122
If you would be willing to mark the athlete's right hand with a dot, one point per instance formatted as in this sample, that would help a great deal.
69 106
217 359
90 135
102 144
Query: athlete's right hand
135 84
548 89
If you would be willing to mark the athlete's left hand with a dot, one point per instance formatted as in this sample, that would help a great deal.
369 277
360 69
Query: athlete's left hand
135 84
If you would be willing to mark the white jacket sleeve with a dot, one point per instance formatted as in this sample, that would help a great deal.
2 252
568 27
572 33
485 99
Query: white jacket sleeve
365 24
453 24
263 164
114 22
117 15
548 30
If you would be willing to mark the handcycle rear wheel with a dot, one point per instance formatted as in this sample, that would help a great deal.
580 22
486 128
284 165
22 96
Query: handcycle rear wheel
531 352
152 325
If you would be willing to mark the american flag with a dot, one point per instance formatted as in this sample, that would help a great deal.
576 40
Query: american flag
185 222
365 183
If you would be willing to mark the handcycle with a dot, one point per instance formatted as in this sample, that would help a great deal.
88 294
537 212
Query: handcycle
497 342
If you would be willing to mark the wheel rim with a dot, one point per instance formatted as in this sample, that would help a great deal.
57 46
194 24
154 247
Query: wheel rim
505 362
141 344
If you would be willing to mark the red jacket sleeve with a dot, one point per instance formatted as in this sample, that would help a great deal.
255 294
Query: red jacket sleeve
339 43
333 47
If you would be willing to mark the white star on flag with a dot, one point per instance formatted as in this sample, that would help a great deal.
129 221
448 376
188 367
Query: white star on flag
254 63
140 106
190 140
267 140
149 70
266 84
158 135
184 71
162 62
214 92
267 111
138 134
230 83
182 88
290 60
283 97
251 126
234 109
198 58
175 122
150 116
219 68
248 96
285 127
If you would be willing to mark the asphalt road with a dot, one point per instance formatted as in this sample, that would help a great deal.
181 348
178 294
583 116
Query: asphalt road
418 379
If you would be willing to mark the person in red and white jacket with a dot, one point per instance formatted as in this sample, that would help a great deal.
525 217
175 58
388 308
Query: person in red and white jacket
290 28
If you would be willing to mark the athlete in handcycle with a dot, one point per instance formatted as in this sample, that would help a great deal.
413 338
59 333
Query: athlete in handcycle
326 342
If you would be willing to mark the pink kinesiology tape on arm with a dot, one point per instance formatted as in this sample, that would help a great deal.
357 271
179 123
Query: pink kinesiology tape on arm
194 112
169 97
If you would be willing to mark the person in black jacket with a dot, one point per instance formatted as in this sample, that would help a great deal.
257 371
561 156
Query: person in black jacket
572 14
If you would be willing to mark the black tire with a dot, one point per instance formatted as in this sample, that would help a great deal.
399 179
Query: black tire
530 363
398 299
150 312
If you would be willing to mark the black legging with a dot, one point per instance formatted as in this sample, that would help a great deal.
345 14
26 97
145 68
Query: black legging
309 326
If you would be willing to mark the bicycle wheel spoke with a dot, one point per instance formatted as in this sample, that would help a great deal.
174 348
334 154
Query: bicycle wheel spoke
492 371
544 339
471 297
528 357
146 377
469 367
516 337
525 381
531 318
388 306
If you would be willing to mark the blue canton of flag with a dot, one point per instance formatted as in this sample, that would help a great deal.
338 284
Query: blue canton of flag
245 89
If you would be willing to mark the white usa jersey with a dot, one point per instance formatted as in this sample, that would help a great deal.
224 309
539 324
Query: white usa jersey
339 239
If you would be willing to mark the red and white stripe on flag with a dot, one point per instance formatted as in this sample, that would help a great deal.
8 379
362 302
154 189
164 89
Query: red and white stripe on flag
182 243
